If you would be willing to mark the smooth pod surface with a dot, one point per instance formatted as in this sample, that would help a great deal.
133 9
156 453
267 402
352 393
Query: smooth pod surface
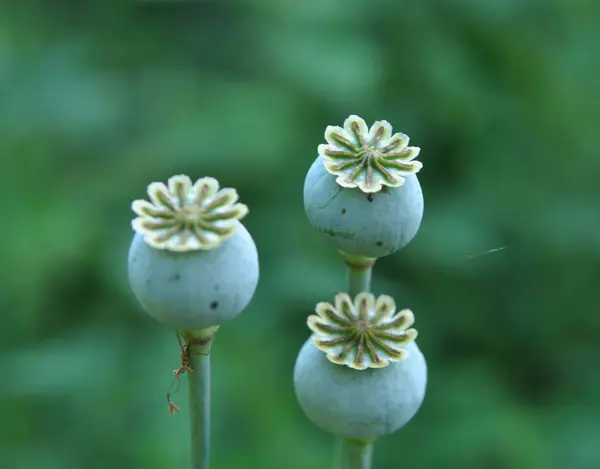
359 403
195 289
357 223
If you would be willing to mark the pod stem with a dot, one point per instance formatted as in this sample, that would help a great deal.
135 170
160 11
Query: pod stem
359 280
198 352
355 454
359 273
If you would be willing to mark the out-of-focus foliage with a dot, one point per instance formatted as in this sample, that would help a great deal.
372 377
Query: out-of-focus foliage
99 98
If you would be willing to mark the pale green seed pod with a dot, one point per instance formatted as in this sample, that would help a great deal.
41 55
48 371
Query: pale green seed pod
362 191
371 380
192 264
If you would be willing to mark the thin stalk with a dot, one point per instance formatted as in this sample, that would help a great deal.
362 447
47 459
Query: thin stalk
359 279
198 353
359 273
199 385
358 454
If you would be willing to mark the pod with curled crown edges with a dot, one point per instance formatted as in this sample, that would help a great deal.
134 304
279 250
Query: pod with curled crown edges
192 264
360 375
362 191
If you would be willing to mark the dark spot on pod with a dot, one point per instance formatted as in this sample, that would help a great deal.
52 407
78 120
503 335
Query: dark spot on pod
379 243
343 211
370 197
214 305
174 277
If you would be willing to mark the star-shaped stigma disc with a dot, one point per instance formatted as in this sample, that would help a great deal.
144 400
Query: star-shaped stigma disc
368 158
184 217
366 333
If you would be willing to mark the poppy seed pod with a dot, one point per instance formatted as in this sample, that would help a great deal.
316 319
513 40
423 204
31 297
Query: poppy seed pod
362 191
192 264
371 380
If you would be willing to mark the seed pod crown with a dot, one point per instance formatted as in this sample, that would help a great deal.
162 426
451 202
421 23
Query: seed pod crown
184 217
366 333
368 158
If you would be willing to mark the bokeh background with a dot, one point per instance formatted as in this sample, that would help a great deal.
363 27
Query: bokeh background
97 99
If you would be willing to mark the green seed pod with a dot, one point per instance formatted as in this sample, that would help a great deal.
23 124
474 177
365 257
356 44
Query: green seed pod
372 377
362 191
192 264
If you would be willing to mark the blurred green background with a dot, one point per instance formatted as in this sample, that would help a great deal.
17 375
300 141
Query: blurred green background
97 99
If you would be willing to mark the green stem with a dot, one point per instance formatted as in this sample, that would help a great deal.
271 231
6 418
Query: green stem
359 273
199 384
357 454
198 353
359 279
354 454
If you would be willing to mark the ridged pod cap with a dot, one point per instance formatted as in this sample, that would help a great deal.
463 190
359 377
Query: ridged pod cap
192 264
362 192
